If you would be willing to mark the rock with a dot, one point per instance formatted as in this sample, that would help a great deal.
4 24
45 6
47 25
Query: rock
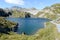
3 13
27 15
7 26
16 27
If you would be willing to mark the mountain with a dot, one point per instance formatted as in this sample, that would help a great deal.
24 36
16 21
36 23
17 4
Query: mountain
52 12
20 12
30 10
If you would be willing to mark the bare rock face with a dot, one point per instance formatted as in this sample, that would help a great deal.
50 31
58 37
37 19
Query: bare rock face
4 13
27 15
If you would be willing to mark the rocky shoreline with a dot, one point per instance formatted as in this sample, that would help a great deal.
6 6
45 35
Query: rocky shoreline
7 26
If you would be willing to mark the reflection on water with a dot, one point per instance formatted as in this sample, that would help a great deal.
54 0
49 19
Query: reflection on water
28 25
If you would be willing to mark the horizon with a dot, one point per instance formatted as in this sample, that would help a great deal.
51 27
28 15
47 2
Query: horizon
38 4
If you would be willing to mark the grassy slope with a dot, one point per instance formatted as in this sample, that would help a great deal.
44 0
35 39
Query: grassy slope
6 23
48 33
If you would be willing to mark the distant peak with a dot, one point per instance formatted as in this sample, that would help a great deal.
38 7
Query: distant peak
16 7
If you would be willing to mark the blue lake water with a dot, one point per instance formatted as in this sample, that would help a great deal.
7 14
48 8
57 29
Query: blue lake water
29 25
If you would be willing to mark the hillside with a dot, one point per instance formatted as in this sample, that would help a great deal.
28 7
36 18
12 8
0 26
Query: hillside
51 12
21 12
6 26
47 33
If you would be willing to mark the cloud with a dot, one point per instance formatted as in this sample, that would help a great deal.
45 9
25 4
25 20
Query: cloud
17 2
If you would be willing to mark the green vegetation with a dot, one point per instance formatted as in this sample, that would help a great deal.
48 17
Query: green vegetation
6 23
50 16
51 12
6 26
47 33
56 5
18 14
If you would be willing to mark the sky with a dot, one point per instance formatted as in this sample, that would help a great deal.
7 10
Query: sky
39 4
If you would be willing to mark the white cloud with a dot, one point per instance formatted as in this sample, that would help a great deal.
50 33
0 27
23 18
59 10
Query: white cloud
18 2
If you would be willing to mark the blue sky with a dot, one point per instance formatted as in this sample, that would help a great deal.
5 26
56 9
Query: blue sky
39 4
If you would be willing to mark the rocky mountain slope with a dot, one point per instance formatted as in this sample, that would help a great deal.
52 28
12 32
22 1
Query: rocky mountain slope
52 12
30 10
21 12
